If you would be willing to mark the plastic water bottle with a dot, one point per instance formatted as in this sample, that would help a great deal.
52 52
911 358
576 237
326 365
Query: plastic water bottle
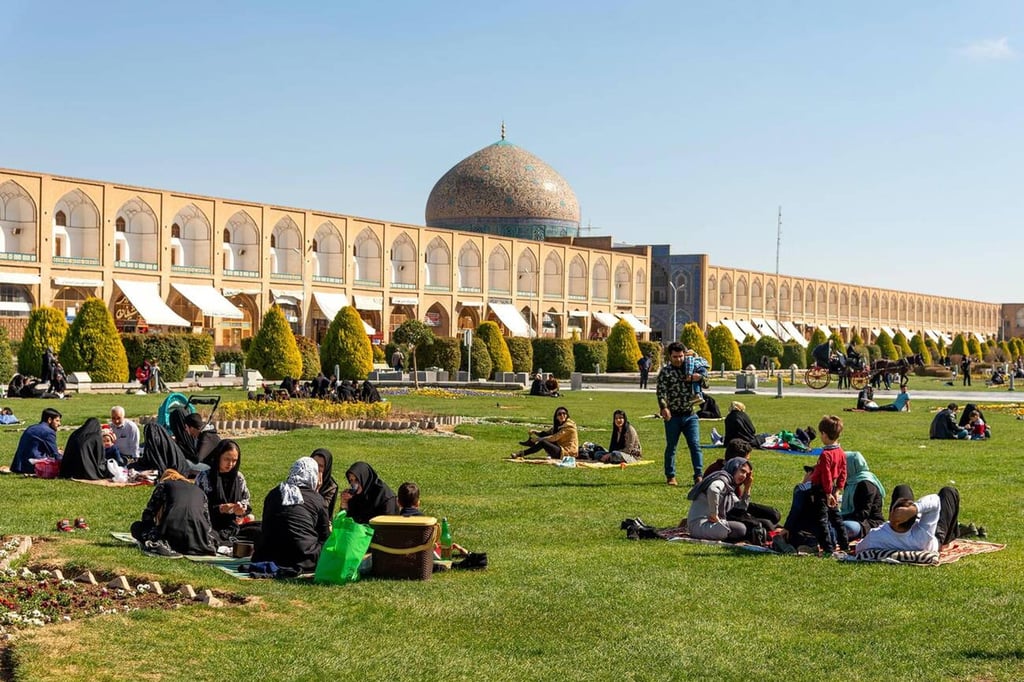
446 540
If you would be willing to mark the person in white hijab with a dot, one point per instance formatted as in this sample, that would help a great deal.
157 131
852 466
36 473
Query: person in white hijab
295 521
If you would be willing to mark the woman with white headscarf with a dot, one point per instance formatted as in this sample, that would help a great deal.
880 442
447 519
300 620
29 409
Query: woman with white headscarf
295 521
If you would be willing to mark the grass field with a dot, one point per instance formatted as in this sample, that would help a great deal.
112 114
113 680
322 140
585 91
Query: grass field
566 597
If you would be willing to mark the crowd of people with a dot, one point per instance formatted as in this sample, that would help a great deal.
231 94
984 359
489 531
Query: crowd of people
320 388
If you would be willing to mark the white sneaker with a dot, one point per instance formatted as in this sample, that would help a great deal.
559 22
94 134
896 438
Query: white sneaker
716 437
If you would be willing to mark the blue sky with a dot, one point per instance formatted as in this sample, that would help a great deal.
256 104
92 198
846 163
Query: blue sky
890 133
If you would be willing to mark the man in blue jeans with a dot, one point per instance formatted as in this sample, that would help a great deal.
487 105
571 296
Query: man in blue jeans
675 399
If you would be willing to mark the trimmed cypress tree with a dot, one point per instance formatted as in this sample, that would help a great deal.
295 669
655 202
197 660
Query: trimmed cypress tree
310 354
274 351
959 346
554 356
817 338
902 344
793 354
855 339
46 329
693 338
521 350
653 349
837 342
769 346
974 348
724 349
1006 355
623 350
347 346
933 350
917 345
490 334
481 367
887 347
445 352
6 359
93 345
586 354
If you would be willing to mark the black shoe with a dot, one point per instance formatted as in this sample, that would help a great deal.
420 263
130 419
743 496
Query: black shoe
525 443
982 533
160 548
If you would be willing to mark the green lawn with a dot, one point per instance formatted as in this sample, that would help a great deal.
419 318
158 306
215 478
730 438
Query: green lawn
566 597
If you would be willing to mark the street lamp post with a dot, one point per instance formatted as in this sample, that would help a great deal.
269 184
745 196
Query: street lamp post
302 277
675 308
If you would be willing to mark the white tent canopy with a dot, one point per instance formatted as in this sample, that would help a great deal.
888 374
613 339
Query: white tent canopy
748 329
907 333
634 322
368 302
607 319
779 330
209 300
763 328
330 304
794 333
145 296
511 318
736 332
931 334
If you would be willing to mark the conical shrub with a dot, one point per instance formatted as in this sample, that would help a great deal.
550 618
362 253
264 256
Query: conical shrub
274 351
93 345
46 329
347 346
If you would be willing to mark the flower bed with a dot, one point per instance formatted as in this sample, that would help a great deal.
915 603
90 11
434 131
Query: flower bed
302 411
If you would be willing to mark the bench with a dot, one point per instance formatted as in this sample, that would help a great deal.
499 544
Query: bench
199 372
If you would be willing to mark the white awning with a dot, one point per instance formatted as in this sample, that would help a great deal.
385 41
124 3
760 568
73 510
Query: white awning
370 331
889 331
932 334
289 296
405 300
19 278
907 333
145 296
946 338
638 326
778 330
794 333
471 304
762 327
330 304
736 332
209 300
980 337
77 282
368 302
235 292
748 329
579 313
607 319
824 328
511 318
16 306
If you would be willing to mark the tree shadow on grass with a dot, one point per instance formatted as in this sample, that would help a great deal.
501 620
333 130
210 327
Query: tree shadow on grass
977 654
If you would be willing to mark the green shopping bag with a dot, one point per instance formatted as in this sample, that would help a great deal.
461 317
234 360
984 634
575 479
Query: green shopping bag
343 552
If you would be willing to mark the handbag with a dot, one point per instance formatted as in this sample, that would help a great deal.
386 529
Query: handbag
343 552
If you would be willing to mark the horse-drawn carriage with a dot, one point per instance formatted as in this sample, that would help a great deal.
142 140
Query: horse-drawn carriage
858 373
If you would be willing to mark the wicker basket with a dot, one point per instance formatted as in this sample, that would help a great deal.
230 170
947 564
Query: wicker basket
403 546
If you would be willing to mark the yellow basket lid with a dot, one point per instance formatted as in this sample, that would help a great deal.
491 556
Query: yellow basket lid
396 520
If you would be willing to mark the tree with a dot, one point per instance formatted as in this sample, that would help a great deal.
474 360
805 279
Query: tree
837 342
46 329
490 334
414 334
974 348
347 346
693 338
1005 354
724 349
855 339
817 338
445 352
310 354
623 350
93 345
917 345
554 355
770 347
902 345
481 367
6 359
959 346
274 351
887 347
521 350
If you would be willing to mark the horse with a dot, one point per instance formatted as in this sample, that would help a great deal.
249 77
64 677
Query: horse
900 367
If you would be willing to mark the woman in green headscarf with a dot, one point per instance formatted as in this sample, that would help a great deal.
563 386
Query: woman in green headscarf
863 497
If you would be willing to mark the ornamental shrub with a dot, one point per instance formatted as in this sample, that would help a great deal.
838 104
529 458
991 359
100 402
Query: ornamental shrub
653 349
693 338
554 356
793 354
413 334
917 345
274 351
769 346
347 346
837 342
310 354
521 350
246 344
959 346
389 350
817 338
490 333
974 348
378 353
200 348
724 349
933 350
1005 354
586 354
171 351
93 345
749 354
855 339
902 344
6 359
623 349
445 352
481 367
874 352
887 347
46 329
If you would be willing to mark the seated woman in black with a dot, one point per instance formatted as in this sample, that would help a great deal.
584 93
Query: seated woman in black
328 486
368 496
739 425
83 455
295 521
160 452
176 519
226 492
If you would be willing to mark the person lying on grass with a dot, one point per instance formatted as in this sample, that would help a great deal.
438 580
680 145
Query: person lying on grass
928 524
558 442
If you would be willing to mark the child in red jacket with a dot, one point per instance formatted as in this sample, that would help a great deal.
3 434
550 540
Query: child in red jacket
827 480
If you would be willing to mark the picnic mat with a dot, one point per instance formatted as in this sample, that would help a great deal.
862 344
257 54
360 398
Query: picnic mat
580 464
681 534
108 483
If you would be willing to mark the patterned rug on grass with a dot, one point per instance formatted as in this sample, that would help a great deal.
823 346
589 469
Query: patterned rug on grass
580 464
952 553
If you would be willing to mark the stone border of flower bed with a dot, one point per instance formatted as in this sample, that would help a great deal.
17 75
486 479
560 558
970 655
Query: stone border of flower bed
425 424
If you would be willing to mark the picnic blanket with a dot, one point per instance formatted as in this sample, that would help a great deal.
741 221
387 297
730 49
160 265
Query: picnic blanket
580 463
108 483
681 534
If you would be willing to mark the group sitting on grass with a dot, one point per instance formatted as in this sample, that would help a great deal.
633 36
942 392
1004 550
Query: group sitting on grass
558 442
971 426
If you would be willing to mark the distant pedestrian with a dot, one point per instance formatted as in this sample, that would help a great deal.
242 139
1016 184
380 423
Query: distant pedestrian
965 369
644 364
398 360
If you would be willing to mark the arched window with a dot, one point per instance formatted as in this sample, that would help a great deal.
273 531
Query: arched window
526 274
577 278
60 219
469 268
641 286
622 282
553 275
599 280
499 272
439 264
175 231
119 225
368 257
